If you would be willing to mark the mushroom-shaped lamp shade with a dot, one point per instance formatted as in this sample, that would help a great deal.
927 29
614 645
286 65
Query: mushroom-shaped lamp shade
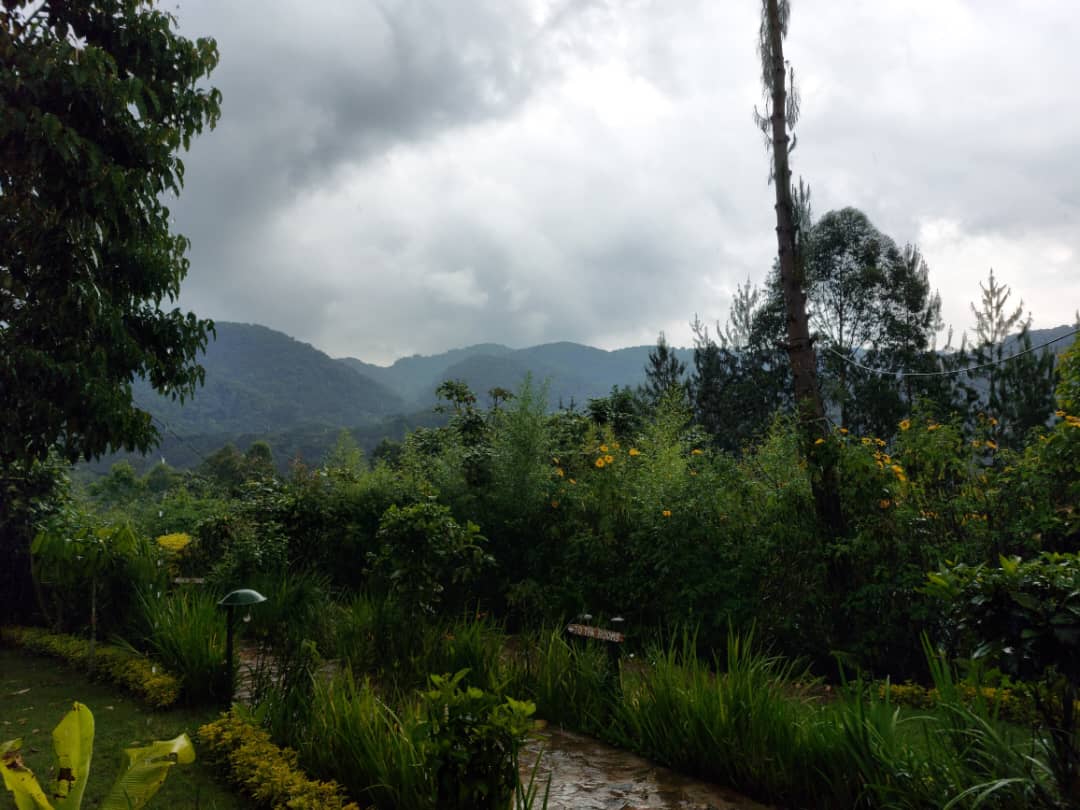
241 598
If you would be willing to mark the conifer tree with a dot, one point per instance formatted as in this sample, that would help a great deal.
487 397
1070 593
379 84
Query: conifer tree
664 372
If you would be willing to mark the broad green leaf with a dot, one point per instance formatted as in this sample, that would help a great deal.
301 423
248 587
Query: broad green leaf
146 770
73 741
20 780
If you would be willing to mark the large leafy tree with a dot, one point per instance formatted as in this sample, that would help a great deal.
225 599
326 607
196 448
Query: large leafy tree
871 305
98 98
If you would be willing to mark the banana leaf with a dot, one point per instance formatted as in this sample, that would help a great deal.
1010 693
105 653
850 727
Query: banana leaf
19 779
146 770
73 741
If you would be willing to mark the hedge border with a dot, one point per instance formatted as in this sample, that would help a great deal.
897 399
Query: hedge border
134 673
267 773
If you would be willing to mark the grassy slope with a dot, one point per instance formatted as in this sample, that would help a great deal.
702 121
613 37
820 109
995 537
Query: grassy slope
120 721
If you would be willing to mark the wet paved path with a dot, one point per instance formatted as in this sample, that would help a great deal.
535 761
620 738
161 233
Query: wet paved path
589 775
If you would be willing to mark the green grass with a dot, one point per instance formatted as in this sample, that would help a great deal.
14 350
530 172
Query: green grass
120 722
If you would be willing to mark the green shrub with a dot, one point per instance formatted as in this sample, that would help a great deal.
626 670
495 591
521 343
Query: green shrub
472 740
186 631
426 559
264 771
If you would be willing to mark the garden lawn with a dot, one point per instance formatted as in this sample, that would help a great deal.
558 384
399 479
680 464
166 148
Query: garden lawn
35 693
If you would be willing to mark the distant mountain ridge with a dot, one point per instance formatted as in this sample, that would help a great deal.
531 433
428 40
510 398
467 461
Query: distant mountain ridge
259 380
573 372
263 383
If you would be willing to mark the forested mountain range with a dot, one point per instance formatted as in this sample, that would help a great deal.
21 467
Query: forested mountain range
261 383
574 373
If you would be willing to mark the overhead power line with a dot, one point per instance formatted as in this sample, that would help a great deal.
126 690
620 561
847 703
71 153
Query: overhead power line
901 374
170 430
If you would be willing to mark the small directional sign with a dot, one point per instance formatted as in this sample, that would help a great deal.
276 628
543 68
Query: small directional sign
595 632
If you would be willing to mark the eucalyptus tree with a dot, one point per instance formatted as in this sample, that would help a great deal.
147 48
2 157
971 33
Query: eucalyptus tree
776 120
875 315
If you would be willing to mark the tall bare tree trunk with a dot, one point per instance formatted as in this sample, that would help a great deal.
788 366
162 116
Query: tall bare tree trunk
800 348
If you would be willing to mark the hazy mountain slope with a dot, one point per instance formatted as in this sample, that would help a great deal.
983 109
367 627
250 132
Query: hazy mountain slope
414 378
573 372
260 380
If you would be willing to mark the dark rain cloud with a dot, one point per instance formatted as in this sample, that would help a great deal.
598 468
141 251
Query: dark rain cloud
392 176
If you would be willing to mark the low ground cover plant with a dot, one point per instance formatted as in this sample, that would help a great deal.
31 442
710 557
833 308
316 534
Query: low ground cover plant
139 675
264 771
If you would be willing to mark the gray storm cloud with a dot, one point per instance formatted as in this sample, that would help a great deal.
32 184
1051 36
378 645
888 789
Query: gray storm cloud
391 177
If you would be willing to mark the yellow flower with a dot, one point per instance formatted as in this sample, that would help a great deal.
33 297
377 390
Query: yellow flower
844 431
615 445
572 481
174 542
1059 414
905 424
609 459
599 463
993 422
991 444
932 428
634 451
666 513
696 452
866 440
693 472
554 504
884 503
603 448
819 441
879 442
559 472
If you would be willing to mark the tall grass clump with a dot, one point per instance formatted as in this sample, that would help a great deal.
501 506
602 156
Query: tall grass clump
377 753
742 724
571 684
185 630
960 756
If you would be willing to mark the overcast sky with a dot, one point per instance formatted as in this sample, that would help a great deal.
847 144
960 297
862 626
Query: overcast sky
400 176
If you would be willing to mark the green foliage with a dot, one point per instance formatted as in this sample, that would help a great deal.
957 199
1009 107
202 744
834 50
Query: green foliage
426 558
99 98
83 571
1026 615
32 494
185 630
1068 388
664 372
472 742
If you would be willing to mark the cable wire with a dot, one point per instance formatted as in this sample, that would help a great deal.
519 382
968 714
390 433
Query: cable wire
902 374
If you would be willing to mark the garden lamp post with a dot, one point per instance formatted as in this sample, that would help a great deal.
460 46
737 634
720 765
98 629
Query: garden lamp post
243 597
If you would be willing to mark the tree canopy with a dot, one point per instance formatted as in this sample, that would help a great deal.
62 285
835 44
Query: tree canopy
98 99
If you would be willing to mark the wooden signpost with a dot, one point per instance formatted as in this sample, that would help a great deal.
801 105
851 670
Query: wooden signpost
588 631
